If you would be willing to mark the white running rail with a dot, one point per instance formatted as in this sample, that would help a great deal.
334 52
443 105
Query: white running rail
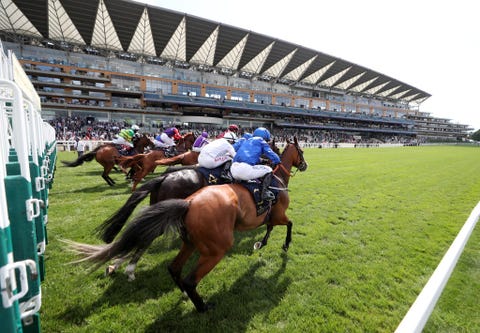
420 311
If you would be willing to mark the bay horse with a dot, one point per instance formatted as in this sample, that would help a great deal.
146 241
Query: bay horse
108 156
200 226
143 164
175 182
185 143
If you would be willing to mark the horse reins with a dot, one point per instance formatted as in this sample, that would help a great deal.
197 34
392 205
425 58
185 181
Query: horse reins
282 168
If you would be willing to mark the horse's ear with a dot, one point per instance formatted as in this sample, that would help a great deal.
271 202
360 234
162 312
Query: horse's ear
295 140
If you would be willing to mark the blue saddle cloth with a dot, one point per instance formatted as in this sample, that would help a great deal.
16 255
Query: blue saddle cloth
212 176
255 189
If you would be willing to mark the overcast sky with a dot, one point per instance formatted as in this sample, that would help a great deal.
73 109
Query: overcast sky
431 45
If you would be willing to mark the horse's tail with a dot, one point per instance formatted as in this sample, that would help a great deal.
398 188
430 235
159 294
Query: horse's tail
151 223
112 226
84 158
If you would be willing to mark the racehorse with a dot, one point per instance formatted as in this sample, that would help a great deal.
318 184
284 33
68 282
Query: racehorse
173 183
143 164
198 222
185 143
108 156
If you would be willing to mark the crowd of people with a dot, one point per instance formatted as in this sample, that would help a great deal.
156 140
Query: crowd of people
71 128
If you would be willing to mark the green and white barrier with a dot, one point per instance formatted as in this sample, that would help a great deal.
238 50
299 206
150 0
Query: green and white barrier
28 155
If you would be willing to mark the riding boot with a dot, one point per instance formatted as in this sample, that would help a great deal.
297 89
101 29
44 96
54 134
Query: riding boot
266 193
225 175
171 151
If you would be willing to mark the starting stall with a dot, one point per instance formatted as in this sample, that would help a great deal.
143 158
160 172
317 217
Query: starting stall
27 166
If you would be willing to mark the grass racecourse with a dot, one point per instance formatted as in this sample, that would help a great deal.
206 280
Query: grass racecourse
370 227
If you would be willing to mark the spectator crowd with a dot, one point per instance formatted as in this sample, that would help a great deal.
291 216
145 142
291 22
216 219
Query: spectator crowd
87 128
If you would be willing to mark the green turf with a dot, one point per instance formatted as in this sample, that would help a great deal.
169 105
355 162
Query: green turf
370 226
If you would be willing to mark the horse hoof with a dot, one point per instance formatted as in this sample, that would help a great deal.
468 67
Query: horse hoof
257 245
206 307
285 247
109 270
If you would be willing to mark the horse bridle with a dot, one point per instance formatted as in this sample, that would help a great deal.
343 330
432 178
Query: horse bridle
302 163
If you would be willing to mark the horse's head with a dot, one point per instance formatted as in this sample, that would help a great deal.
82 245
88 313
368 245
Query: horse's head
189 140
186 142
293 155
142 142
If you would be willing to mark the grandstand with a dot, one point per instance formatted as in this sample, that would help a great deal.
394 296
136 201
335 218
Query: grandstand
116 60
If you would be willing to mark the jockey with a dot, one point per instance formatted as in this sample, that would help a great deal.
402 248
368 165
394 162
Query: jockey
200 142
246 164
135 129
230 132
216 153
125 138
244 138
166 140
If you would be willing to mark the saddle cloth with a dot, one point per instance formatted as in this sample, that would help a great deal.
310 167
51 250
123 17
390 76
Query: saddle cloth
122 149
255 189
212 176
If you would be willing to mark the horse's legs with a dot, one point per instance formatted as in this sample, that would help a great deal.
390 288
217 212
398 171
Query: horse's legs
106 171
130 173
107 179
130 269
116 264
175 268
264 241
109 169
204 266
288 239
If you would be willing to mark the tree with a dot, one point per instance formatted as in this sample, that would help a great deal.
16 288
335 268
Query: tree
475 136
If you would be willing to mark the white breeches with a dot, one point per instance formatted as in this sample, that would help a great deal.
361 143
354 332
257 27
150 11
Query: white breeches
244 171
121 141
208 161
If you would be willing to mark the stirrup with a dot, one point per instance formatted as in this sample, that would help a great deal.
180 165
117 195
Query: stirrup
268 196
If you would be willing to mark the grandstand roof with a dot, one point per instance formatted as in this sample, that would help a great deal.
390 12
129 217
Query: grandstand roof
183 39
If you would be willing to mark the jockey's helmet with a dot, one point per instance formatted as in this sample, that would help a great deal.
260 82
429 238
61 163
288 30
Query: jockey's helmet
263 133
135 128
230 137
233 128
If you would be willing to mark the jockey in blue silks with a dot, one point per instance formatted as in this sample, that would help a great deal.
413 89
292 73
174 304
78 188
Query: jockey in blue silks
246 163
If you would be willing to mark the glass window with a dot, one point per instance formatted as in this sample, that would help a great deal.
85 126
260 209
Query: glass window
283 100
263 98
335 107
96 94
319 104
214 92
189 89
159 86
301 103
240 95
126 82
